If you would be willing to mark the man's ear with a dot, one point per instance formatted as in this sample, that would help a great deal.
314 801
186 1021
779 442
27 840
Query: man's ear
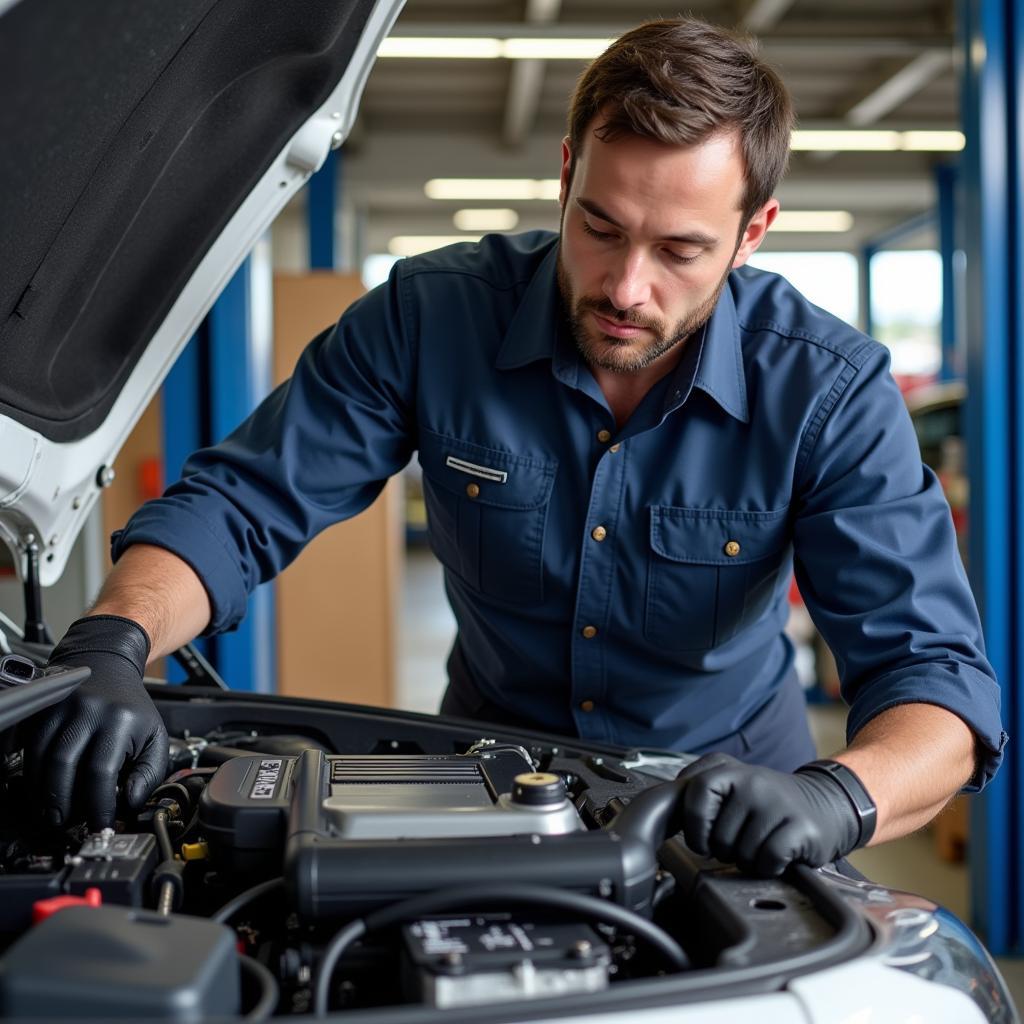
565 177
753 234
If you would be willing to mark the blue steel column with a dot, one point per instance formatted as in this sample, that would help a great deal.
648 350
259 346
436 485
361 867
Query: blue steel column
951 366
239 374
220 377
867 320
321 202
993 238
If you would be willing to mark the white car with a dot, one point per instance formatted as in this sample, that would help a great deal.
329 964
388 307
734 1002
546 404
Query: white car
307 857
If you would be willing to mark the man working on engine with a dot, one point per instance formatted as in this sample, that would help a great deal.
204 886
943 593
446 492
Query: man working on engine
626 442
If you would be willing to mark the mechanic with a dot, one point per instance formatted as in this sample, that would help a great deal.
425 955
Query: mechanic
627 443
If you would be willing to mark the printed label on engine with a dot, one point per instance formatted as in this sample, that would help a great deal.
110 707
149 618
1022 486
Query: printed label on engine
266 780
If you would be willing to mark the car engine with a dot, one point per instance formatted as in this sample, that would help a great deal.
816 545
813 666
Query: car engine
310 858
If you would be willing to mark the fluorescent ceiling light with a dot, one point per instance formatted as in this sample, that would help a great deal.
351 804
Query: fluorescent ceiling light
485 220
413 245
447 48
485 48
951 142
555 49
492 188
877 141
813 220
834 141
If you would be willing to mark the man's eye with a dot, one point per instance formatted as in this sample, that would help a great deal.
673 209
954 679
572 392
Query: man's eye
683 260
594 233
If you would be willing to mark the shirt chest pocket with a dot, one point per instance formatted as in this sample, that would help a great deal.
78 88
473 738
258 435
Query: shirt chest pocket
710 571
486 515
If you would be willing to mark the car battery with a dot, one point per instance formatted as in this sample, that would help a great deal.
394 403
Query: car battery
479 959
118 865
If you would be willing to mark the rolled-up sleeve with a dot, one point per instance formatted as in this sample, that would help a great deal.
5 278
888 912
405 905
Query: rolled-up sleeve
877 563
318 450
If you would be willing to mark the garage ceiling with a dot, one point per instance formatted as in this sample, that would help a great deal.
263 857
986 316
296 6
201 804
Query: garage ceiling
848 63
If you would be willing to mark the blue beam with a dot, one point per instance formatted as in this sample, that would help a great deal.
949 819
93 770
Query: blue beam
321 202
951 366
867 316
993 231
239 379
890 237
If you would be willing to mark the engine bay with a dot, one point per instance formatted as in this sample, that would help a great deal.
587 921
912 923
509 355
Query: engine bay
304 857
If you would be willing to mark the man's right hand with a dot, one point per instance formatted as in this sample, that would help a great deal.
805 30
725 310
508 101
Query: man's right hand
107 731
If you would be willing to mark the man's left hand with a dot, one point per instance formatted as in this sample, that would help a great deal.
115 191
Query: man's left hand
764 820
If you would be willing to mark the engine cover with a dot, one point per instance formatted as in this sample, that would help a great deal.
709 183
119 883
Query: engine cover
361 831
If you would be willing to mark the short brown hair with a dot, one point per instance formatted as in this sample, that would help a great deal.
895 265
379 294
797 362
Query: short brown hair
680 81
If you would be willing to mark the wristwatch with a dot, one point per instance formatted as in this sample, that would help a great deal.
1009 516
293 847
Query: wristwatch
846 779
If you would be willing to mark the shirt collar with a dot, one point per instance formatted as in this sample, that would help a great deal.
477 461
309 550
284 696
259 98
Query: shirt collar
534 330
720 364
535 326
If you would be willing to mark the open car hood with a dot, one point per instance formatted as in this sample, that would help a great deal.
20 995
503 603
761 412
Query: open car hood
147 146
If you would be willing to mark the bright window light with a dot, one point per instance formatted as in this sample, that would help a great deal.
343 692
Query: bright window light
828 279
906 308
413 245
491 188
813 220
485 220
376 268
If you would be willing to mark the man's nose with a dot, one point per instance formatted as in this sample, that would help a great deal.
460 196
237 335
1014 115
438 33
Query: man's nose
627 283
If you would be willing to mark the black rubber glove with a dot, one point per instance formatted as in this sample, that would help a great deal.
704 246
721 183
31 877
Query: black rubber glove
764 820
107 730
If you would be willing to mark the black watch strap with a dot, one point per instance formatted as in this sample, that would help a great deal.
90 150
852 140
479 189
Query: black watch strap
846 778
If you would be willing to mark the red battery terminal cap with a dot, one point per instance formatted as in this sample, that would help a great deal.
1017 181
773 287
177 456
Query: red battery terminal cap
42 909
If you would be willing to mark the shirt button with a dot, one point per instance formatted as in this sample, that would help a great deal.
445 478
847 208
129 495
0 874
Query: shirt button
615 447
732 549
473 490
586 705
599 533
589 632
604 436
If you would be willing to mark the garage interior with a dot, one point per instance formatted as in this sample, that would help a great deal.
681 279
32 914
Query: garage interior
903 215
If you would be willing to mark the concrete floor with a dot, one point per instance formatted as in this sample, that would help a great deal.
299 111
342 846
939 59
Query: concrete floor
427 629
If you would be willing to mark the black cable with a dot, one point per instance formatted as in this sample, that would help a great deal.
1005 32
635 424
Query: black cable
163 835
246 897
165 901
165 898
270 993
332 954
448 899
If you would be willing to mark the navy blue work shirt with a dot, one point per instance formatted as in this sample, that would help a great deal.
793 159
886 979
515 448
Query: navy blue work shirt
629 585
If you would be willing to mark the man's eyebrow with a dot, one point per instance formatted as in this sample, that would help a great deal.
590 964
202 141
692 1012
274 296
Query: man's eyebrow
688 238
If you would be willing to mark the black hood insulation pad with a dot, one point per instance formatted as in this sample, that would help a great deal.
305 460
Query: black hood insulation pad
132 131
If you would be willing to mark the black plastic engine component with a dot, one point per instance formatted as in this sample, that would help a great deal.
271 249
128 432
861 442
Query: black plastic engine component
244 807
331 873
118 865
222 749
244 811
490 958
118 963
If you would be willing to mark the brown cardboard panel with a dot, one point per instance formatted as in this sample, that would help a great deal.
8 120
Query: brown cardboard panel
336 604
138 467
